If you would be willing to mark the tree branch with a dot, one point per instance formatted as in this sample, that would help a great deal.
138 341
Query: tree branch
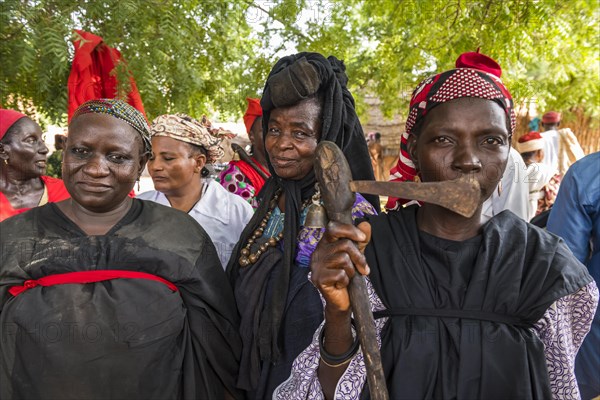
287 26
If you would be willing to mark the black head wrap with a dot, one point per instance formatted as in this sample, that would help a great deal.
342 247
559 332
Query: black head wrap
293 79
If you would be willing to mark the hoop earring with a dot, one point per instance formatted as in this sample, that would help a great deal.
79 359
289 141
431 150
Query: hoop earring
499 188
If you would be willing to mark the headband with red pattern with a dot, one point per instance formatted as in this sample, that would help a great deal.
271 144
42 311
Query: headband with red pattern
476 75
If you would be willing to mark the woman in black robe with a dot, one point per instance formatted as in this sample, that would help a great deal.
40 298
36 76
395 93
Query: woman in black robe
104 296
464 310
305 101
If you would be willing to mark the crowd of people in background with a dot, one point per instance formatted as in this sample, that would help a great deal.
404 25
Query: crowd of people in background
221 288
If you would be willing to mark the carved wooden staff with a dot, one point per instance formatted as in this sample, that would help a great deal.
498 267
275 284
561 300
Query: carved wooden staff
334 176
335 180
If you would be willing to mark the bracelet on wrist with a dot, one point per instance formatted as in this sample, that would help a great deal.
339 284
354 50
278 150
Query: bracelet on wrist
335 365
339 360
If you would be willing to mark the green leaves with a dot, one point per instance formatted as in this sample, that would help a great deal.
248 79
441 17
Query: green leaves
190 56
201 56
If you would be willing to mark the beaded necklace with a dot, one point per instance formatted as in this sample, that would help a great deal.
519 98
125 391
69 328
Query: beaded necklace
246 256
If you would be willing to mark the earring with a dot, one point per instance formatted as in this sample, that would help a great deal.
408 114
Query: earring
499 188
138 184
417 178
6 161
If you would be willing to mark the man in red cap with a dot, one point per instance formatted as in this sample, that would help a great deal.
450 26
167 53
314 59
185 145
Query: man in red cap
561 146
551 120
539 175
246 175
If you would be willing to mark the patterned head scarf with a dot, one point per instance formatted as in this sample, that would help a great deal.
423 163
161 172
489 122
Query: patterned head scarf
121 110
530 142
187 129
476 75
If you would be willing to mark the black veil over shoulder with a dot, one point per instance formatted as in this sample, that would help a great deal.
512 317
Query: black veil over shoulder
293 79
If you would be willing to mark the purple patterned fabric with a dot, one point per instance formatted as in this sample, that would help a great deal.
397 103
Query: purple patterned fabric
308 238
562 330
237 183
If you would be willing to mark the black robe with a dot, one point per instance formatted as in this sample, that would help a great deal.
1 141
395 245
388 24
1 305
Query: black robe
462 312
121 338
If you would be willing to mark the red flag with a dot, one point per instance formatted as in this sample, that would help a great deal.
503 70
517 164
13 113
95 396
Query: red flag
92 73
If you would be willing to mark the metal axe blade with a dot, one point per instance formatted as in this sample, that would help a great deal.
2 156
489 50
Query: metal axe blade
459 195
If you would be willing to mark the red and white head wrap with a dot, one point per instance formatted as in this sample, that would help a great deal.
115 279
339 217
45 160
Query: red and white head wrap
476 75
530 142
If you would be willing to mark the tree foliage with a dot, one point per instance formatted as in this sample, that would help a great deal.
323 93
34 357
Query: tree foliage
206 56
192 56
549 49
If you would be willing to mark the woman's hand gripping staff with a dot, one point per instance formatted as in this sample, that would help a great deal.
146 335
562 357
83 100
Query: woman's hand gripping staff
334 265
